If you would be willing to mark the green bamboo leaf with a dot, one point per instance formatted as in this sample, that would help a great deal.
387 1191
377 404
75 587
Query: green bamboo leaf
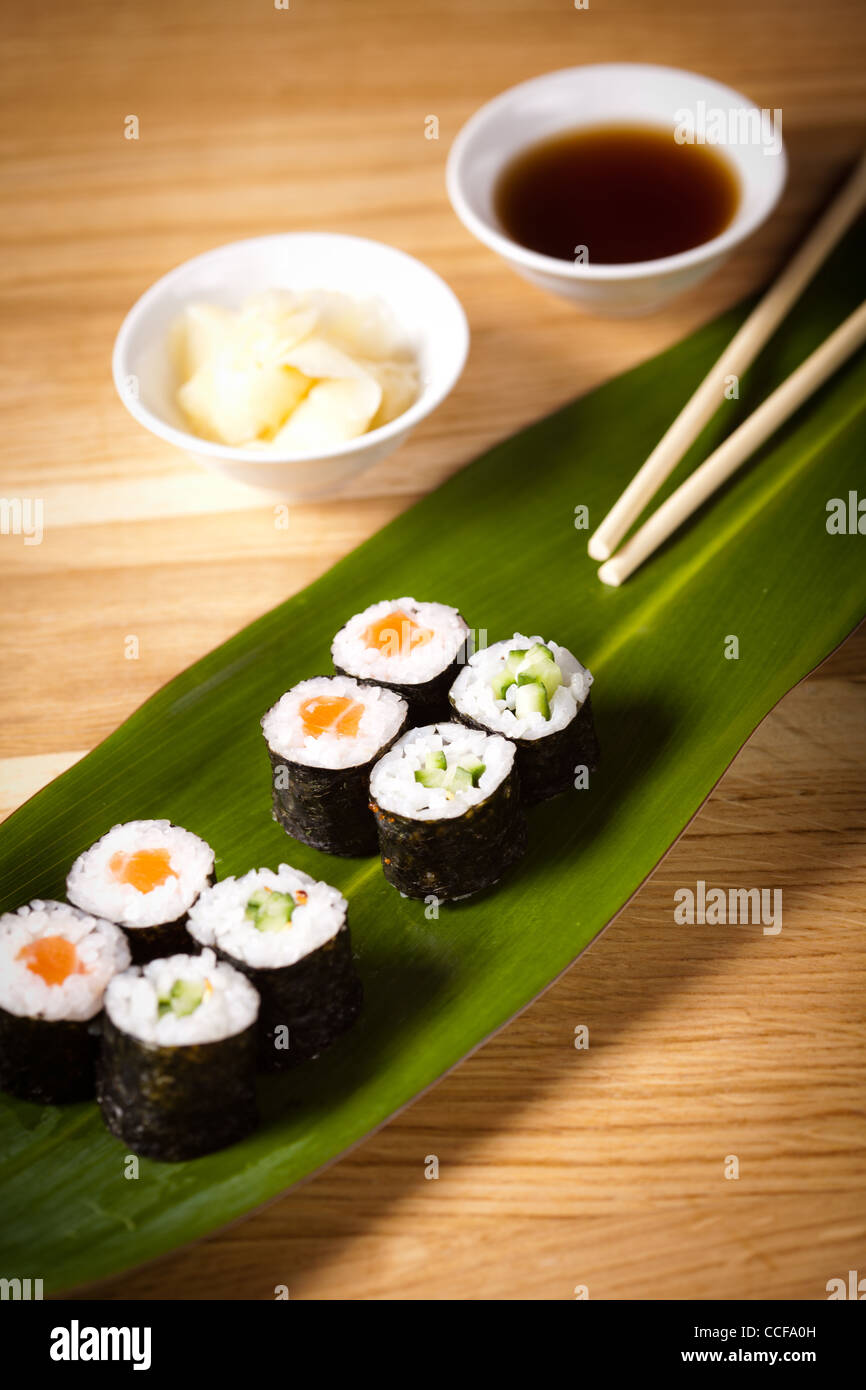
499 540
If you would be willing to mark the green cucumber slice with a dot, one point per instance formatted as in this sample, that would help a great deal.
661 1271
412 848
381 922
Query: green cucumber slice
538 652
531 698
459 780
430 776
501 683
540 669
270 911
536 663
463 775
183 998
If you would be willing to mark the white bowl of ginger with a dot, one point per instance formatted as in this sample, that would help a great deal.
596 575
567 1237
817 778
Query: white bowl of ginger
291 362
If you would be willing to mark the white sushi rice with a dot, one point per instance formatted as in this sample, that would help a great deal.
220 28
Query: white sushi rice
230 1005
472 692
102 952
218 918
392 781
284 731
92 886
401 662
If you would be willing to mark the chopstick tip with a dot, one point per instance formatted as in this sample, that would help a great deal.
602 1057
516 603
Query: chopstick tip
610 574
598 549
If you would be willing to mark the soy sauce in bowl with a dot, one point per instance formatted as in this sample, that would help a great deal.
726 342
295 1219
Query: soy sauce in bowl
610 195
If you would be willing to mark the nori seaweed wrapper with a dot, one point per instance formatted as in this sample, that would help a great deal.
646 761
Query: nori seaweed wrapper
328 808
546 765
316 999
177 1103
452 858
428 702
163 939
50 1061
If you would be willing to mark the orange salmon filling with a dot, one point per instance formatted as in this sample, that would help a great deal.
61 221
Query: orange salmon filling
145 869
331 714
53 958
395 633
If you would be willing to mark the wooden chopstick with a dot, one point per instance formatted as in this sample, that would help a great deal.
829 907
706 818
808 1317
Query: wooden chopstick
740 352
738 447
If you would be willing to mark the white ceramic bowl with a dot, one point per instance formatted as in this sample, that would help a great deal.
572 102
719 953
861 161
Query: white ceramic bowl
422 304
601 94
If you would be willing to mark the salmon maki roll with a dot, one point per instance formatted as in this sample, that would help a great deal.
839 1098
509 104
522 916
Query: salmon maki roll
323 737
414 649
55 965
144 875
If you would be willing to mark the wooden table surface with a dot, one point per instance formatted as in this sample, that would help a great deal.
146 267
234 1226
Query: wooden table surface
559 1167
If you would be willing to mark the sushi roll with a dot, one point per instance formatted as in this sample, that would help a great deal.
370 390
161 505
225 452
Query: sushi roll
323 737
55 965
289 935
536 694
447 805
176 1075
144 875
414 649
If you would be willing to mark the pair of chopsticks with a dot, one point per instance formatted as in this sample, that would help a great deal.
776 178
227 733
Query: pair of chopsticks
749 436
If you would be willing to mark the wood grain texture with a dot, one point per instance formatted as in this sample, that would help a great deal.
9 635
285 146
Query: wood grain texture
558 1167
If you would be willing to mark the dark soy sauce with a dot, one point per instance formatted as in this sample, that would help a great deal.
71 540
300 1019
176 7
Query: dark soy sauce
626 193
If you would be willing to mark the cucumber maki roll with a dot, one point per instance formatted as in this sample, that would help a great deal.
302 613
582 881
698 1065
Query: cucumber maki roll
323 737
289 935
412 648
447 806
55 965
144 875
536 694
176 1076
